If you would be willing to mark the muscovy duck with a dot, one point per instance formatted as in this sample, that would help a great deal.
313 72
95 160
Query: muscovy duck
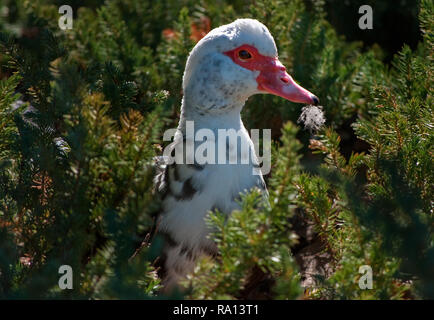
226 67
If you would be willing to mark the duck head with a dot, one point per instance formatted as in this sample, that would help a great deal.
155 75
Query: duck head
232 63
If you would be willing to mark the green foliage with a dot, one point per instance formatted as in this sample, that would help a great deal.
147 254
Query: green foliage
77 188
387 221
82 114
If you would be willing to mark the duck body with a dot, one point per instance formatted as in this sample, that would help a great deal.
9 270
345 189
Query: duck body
226 67
191 191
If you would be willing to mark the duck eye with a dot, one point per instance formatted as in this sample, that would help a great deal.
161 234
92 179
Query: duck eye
244 54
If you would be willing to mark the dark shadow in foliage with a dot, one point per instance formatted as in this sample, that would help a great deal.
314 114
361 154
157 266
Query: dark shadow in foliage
393 25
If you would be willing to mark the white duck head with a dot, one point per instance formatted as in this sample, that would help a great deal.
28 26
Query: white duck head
232 63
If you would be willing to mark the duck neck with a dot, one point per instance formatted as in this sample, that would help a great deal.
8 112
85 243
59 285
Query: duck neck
227 118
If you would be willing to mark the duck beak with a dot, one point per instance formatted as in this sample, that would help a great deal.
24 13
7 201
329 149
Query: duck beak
274 79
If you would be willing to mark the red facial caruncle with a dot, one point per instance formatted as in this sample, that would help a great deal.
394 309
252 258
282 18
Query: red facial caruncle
272 77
